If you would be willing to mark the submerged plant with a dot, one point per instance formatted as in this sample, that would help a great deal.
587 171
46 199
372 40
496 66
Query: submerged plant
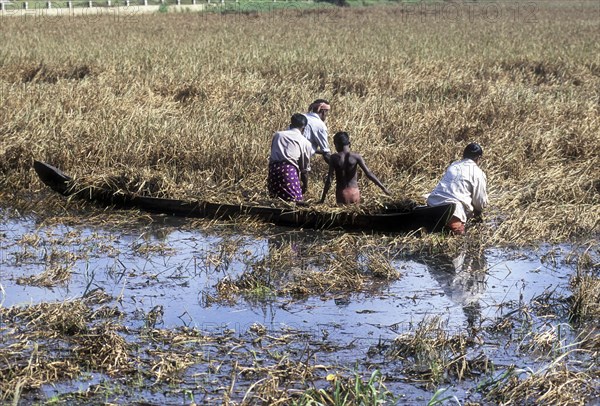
438 398
555 384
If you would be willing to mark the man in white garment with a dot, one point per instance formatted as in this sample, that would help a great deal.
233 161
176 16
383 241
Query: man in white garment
464 184
316 129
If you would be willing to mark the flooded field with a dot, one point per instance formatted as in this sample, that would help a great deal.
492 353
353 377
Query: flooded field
173 299
99 306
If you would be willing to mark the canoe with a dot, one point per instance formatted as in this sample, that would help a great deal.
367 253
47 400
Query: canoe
430 219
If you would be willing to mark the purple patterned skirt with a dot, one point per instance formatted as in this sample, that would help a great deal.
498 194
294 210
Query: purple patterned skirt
283 182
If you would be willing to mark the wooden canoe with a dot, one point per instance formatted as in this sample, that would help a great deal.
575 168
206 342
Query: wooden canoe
430 219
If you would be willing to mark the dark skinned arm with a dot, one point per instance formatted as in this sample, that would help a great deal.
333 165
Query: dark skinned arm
327 183
325 155
369 174
304 181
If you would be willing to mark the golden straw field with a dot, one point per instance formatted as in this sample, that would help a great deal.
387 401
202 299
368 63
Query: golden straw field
99 306
185 104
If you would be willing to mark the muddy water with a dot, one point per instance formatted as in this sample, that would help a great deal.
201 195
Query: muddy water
163 265
175 267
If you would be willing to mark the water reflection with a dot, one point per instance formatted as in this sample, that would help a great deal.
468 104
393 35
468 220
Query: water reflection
462 278
297 242
179 266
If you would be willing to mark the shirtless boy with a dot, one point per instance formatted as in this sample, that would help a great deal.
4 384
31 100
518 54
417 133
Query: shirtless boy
344 164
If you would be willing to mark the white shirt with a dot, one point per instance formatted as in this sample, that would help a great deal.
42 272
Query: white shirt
465 184
290 146
316 132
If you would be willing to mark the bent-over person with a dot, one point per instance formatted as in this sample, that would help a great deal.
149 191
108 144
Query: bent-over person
344 165
289 162
464 184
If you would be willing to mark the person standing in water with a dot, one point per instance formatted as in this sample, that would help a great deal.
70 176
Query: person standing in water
344 165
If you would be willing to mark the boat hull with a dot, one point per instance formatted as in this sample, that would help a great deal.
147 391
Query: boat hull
430 219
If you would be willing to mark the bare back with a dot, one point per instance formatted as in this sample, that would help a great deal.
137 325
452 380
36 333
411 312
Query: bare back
345 165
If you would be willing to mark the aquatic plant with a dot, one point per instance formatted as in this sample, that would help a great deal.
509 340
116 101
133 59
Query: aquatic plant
430 354
349 391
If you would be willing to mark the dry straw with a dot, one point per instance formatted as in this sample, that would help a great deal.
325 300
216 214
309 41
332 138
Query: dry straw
190 112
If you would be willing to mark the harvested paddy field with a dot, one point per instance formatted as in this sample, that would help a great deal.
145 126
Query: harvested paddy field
120 307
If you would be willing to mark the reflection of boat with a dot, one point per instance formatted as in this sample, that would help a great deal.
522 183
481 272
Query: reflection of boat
431 219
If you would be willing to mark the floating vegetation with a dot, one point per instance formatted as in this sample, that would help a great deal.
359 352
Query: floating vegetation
434 356
585 303
349 264
556 384
52 276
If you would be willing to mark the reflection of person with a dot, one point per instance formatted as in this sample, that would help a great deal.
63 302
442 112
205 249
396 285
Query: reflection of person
316 130
289 162
344 164
464 184
463 280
